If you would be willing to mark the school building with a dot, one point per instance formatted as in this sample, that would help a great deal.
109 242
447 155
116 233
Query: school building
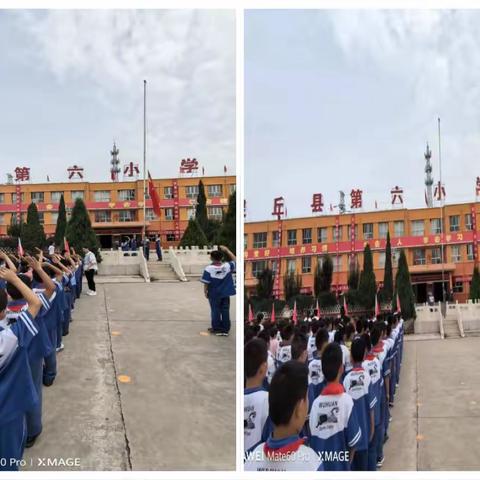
116 207
298 244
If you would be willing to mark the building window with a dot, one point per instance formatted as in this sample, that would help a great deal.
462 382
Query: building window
340 233
55 196
436 255
169 214
245 241
38 197
77 194
191 191
398 228
150 214
260 240
214 190
291 265
258 268
191 214
456 254
322 234
168 193
275 238
215 213
291 237
101 195
419 256
418 228
458 286
274 267
14 198
306 235
306 264
470 252
382 229
126 195
2 219
54 218
435 226
41 218
103 216
337 263
170 237
381 260
126 216
454 223
468 222
231 188
2 198
367 231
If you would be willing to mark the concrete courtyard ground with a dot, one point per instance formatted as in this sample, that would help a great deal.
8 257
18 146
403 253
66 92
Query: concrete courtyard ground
140 384
436 417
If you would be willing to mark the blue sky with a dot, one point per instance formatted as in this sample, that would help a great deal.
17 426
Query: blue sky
336 100
72 82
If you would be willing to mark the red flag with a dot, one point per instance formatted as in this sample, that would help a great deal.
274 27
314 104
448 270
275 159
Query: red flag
20 250
152 191
317 307
250 313
377 306
345 305
272 318
399 306
295 315
66 245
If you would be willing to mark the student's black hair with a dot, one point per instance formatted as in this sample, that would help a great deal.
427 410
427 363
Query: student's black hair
286 332
265 336
256 329
360 325
37 277
216 255
249 333
260 317
273 331
375 334
299 345
314 327
332 360
3 300
339 334
349 330
13 291
358 350
255 353
368 342
288 386
321 338
389 329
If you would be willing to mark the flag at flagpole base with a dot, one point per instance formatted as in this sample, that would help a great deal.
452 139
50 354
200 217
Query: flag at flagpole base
250 313
20 250
66 245
345 308
377 307
295 314
272 318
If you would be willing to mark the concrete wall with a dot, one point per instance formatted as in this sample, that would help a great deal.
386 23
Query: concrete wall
192 260
470 316
118 263
428 319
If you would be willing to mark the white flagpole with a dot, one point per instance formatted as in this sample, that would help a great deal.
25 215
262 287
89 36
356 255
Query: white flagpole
442 203
144 158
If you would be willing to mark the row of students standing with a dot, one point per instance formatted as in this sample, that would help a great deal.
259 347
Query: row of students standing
37 296
318 395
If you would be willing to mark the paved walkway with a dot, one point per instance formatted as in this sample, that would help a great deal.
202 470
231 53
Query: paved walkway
436 418
140 385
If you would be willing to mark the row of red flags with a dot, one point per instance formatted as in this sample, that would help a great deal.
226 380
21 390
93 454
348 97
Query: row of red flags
21 251
251 317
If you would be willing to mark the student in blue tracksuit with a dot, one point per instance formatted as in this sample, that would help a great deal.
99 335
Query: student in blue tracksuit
40 346
17 391
219 287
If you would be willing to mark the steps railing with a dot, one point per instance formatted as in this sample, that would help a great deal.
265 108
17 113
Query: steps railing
440 321
459 319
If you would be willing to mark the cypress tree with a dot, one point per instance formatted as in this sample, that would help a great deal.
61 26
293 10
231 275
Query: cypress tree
61 227
317 279
387 291
15 228
404 288
367 284
353 276
292 284
201 208
33 235
265 284
327 274
228 230
193 235
475 285
79 232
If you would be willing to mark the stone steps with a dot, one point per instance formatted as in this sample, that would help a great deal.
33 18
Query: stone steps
450 327
161 272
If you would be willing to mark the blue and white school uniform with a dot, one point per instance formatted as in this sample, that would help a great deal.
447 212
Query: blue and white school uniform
311 346
219 278
17 391
270 367
334 427
358 385
284 354
283 455
255 417
316 380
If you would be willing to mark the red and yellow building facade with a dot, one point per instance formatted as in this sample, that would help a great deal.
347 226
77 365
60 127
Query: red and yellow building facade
298 244
116 208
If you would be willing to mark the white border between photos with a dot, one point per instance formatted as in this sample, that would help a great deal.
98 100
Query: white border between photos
239 6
